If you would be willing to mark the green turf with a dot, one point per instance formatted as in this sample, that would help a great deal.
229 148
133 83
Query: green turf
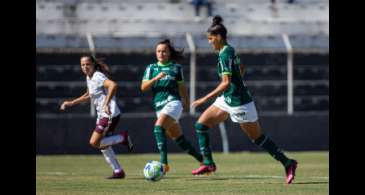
237 173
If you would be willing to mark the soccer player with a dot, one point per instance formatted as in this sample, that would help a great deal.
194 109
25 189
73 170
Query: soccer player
233 100
101 90
165 78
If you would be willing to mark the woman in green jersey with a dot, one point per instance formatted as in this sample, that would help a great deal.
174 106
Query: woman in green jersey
165 78
233 100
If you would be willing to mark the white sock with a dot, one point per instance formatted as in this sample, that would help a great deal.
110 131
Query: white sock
111 140
110 158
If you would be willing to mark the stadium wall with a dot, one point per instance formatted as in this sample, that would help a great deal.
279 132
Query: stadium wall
71 135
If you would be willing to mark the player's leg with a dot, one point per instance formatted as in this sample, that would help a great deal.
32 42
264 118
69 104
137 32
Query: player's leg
160 135
110 158
175 133
253 131
166 117
210 117
95 139
106 128
103 127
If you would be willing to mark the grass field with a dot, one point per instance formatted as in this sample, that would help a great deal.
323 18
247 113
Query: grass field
237 173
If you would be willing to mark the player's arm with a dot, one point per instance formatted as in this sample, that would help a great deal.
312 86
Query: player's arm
111 86
147 84
223 85
85 97
184 96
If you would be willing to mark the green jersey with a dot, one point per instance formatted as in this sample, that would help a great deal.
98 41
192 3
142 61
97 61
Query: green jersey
166 89
229 64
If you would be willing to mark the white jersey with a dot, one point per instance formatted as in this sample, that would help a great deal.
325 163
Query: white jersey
98 94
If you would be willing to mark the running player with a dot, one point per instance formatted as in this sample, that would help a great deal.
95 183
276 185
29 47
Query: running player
235 101
165 78
101 90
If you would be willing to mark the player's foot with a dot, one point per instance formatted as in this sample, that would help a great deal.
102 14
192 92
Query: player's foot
290 171
127 140
166 168
204 169
117 175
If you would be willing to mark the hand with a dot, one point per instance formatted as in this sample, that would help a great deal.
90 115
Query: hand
198 102
106 109
65 104
160 75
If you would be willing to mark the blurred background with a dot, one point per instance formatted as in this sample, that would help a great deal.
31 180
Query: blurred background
284 45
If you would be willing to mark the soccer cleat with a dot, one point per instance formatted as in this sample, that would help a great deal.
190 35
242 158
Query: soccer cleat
290 172
119 175
127 140
166 168
204 169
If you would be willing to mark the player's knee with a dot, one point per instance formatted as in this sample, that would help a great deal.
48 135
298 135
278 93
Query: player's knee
200 126
158 129
94 143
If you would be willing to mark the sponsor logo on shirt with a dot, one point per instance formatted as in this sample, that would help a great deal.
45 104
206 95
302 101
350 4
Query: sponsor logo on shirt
168 77
160 103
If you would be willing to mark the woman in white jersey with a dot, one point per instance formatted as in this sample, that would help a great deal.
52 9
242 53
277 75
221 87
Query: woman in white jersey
101 90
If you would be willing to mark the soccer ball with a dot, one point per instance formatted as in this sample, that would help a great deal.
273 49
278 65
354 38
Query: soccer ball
153 171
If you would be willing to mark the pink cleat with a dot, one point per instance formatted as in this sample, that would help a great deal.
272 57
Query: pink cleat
290 172
204 169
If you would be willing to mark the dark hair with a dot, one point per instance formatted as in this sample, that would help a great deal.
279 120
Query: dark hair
175 55
99 65
217 28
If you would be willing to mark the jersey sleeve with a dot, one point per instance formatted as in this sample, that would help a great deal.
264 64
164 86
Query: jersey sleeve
180 75
225 64
147 74
99 79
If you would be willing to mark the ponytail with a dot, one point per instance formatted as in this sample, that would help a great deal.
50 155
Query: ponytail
217 28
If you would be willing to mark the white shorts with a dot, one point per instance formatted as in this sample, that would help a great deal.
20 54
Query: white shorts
239 114
173 109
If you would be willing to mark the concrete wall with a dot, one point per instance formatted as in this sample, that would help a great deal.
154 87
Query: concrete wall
64 135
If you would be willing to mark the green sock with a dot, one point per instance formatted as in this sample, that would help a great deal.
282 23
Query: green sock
161 143
187 147
203 139
267 144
